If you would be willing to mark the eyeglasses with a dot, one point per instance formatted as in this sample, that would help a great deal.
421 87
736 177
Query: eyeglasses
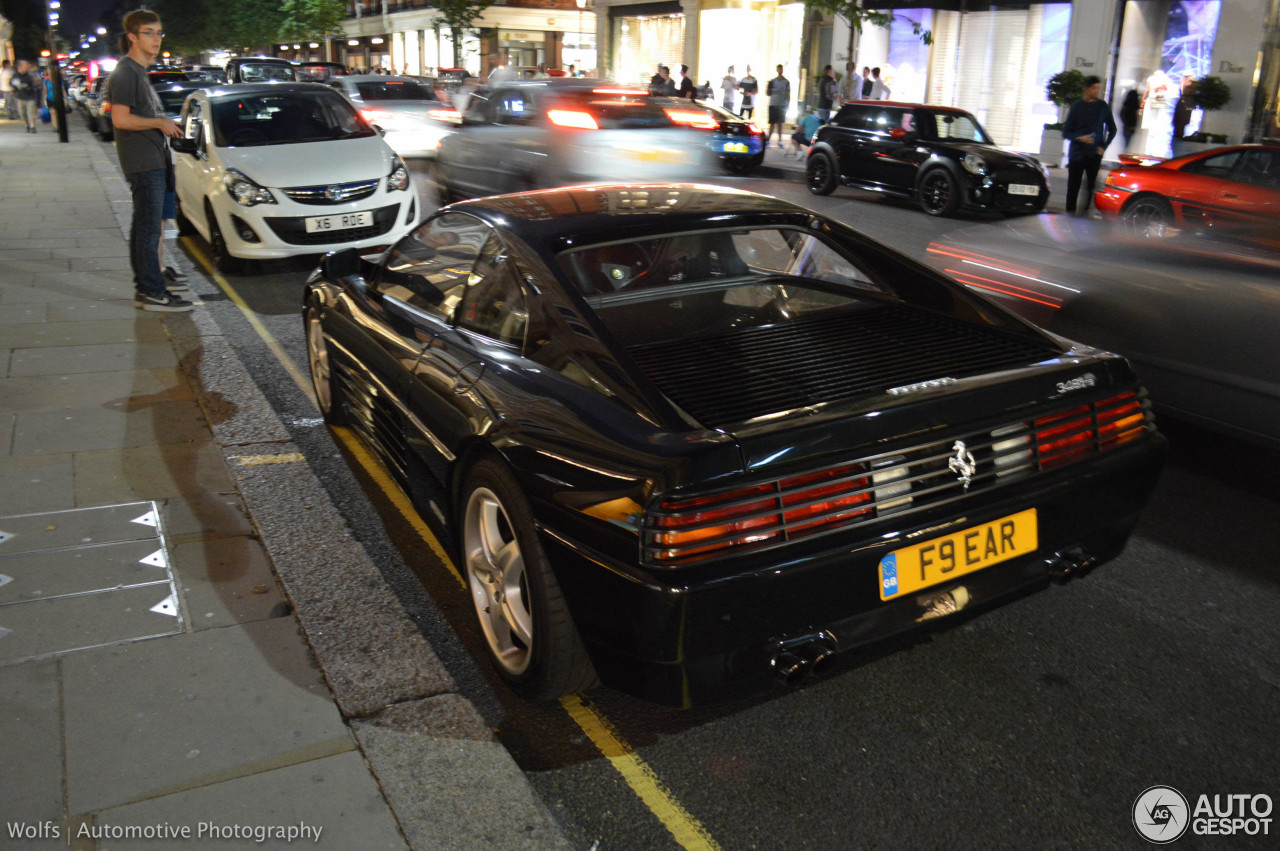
151 33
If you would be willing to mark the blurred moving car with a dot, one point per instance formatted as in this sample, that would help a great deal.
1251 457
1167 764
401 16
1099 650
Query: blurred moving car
553 132
319 72
697 441
412 118
938 156
736 143
1228 192
282 169
1197 317
259 69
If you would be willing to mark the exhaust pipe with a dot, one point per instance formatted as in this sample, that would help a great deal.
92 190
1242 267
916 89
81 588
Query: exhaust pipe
1064 566
795 660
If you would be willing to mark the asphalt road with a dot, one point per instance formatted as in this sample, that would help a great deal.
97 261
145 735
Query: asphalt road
1036 725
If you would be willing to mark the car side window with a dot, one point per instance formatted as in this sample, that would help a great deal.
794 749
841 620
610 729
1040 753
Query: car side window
479 109
494 301
881 120
429 269
1219 165
1259 168
514 107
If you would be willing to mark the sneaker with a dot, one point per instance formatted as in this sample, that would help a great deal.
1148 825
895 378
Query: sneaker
177 288
173 274
167 303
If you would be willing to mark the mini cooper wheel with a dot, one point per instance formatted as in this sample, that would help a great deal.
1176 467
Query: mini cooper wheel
1150 216
327 394
939 194
820 174
528 632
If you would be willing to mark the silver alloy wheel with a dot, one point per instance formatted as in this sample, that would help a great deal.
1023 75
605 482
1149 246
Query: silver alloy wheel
496 575
1151 217
318 357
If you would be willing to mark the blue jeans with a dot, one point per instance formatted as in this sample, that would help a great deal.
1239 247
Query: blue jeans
144 236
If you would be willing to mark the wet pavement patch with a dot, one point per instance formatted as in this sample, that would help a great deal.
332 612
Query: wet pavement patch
84 578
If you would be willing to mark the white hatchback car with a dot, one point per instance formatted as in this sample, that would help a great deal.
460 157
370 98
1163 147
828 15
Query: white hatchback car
276 170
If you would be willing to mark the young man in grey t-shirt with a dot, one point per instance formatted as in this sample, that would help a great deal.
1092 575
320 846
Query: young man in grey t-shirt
141 129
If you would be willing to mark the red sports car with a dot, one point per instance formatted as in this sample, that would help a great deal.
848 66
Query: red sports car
1232 191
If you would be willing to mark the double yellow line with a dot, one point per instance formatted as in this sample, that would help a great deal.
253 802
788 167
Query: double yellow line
635 772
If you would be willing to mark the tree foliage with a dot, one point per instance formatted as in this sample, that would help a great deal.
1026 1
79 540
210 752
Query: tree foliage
460 16
307 20
30 23
858 15
1211 93
1065 87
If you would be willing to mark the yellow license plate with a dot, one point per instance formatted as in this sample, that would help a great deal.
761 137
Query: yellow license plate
735 148
939 559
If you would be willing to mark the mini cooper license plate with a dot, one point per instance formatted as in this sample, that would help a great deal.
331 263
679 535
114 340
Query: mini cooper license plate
939 559
735 148
1023 189
317 224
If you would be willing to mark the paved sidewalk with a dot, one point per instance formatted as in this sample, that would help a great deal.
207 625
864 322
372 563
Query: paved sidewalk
171 675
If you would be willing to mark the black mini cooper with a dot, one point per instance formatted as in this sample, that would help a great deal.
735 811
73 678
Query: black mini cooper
938 156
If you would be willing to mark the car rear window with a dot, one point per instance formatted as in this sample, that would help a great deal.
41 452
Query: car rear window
261 73
646 289
394 90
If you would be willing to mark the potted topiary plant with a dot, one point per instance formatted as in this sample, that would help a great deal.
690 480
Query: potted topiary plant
1062 89
1210 93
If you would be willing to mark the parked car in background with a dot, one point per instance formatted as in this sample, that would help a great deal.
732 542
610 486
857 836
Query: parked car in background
696 441
413 119
539 133
1231 192
173 95
97 109
282 169
937 156
259 69
319 72
214 73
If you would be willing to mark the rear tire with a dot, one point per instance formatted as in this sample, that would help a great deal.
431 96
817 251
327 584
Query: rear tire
820 173
529 634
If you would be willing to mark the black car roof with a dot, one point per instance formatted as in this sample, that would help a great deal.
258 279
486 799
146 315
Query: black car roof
580 215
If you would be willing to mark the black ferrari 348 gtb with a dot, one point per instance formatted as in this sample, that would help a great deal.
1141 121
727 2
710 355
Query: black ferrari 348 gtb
687 440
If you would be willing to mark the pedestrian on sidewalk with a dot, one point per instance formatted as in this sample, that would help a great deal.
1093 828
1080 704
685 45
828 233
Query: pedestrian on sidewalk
141 129
1090 128
879 89
826 94
748 86
851 85
730 86
779 91
28 90
6 90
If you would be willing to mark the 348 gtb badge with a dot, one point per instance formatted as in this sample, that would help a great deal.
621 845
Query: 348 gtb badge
691 441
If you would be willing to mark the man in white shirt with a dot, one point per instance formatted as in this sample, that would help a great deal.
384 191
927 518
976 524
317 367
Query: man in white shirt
879 91
730 86
851 85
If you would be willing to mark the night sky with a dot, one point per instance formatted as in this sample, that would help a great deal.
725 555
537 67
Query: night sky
80 17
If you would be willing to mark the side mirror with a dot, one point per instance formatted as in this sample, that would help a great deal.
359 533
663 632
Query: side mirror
337 265
378 128
184 145
898 133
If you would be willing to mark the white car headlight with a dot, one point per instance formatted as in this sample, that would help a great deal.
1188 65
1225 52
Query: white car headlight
975 164
399 177
245 192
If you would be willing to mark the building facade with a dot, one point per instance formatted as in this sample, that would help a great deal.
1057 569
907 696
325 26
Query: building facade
992 58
